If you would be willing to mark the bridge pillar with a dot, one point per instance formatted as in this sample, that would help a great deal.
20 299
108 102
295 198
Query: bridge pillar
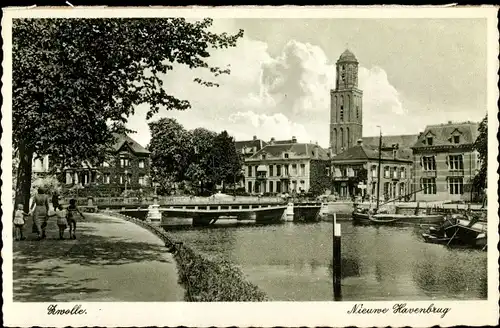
289 212
154 214
323 210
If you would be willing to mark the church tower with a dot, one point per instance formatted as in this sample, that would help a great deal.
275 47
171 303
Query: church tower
346 105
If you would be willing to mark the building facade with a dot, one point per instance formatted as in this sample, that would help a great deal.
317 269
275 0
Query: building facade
445 162
346 105
287 167
127 168
354 172
247 148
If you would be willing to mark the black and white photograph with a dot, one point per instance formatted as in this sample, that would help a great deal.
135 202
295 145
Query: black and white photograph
203 166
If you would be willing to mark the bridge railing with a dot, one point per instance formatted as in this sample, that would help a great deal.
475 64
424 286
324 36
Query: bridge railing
174 200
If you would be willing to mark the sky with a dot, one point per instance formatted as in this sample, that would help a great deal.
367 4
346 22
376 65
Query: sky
413 72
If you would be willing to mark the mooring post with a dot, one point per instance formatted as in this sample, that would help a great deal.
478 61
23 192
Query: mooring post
337 263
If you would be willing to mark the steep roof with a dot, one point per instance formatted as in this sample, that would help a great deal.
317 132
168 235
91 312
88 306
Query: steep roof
442 134
121 139
403 140
294 149
347 56
249 143
368 152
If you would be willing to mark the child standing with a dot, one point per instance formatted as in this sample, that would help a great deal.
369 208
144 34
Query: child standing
62 222
72 210
19 220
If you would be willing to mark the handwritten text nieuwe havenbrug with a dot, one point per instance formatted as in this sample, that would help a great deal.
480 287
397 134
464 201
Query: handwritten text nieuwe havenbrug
399 308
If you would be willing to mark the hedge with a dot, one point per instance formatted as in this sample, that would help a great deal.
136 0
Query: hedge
204 279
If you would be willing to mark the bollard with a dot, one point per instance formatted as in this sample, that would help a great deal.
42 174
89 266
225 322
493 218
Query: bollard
337 260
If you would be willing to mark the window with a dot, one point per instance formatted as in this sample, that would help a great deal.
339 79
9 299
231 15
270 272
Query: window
374 171
249 170
286 170
357 111
429 186
386 190
286 155
278 170
142 180
122 179
395 173
271 170
107 178
141 164
456 139
327 171
456 185
429 141
271 186
341 113
263 156
303 170
429 163
294 169
455 162
124 162
403 173
387 173
105 164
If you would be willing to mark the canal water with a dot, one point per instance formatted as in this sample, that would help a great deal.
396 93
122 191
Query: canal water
293 262
393 263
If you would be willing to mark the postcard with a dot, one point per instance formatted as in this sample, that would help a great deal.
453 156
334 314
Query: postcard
250 166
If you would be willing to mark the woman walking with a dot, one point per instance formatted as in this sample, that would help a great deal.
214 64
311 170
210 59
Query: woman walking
40 211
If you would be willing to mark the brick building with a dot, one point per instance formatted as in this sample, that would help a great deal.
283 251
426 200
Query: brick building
286 166
395 173
445 162
127 168
346 105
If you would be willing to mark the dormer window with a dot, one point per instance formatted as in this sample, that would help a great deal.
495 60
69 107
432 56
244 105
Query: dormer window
429 141
286 155
263 156
456 139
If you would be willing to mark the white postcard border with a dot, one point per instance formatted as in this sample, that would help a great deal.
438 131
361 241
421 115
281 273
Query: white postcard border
253 314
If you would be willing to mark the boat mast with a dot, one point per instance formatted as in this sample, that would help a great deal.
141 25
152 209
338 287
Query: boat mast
378 169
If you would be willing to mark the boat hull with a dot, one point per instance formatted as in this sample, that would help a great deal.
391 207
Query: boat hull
395 218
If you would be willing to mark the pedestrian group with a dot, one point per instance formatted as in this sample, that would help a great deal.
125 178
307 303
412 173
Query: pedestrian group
40 213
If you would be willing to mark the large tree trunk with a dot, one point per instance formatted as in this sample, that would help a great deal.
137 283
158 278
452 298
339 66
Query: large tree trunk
23 185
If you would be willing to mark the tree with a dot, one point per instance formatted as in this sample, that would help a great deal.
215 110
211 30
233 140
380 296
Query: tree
200 170
227 169
76 81
171 152
481 146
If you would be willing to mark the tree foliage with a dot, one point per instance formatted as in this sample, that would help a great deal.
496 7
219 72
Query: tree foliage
76 81
201 157
481 146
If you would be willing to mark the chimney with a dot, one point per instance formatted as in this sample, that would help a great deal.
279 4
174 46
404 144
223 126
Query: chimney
254 138
360 142
449 122
272 141
294 139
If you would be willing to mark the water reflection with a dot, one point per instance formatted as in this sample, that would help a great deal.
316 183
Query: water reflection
287 261
294 261
395 263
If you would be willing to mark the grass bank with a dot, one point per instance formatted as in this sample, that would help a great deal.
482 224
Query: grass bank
205 279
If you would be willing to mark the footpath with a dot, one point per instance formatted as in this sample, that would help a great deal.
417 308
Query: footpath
111 260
